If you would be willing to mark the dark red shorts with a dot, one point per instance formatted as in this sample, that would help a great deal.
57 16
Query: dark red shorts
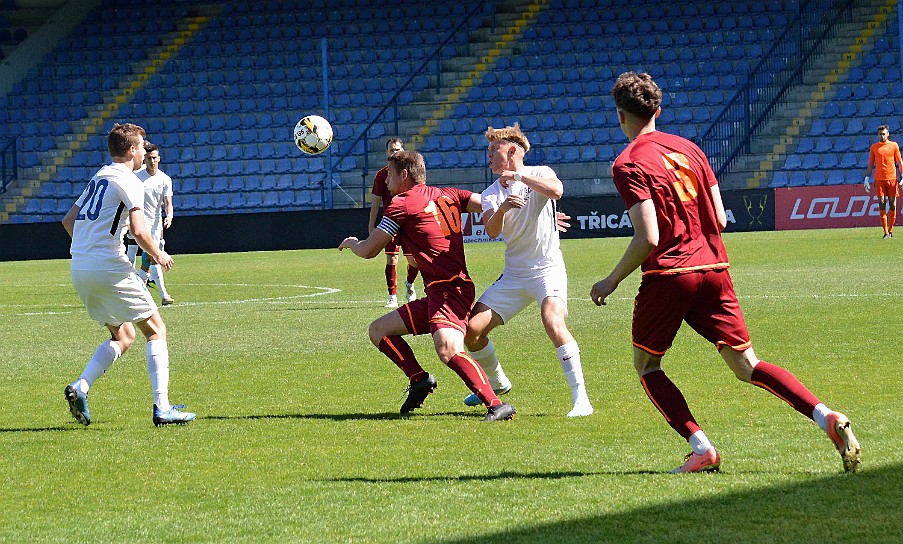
446 305
393 247
706 300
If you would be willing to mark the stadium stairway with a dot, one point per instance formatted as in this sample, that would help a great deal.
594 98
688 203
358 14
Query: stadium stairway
463 73
97 119
783 141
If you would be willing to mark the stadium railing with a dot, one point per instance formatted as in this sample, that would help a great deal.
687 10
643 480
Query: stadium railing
731 133
9 167
392 103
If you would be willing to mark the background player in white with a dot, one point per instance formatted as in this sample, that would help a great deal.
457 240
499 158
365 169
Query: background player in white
157 196
106 281
521 205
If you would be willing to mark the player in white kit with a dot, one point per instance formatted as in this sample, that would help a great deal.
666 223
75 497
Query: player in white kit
157 196
521 206
106 281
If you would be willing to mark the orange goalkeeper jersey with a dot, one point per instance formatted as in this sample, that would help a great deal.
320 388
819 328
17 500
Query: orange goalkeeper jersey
883 155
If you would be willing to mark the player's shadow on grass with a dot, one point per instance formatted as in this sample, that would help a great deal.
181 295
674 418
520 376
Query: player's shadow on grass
41 429
353 417
863 507
507 475
334 417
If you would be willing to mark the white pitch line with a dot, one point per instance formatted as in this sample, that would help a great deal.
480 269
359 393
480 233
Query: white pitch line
265 300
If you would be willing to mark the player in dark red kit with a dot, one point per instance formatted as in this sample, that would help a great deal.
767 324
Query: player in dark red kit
381 198
427 221
674 203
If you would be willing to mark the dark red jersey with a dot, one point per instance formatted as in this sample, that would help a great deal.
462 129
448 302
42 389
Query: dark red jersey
380 187
675 174
427 222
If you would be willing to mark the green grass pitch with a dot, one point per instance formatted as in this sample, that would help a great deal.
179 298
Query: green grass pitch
298 438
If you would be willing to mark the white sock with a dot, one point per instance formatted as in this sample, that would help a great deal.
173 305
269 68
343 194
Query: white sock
132 252
156 274
491 365
158 370
700 442
569 356
820 415
104 357
142 275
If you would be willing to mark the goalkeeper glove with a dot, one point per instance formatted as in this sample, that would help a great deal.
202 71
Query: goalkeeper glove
866 185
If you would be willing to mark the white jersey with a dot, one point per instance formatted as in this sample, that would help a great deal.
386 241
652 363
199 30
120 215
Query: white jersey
531 232
156 187
104 218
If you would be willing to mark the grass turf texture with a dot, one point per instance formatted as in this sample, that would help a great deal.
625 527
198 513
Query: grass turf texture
298 437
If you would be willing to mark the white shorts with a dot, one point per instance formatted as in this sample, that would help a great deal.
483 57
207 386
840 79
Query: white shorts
113 298
509 295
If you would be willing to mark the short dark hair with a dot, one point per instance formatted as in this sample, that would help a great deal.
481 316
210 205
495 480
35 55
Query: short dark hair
636 94
122 137
391 141
884 127
410 161
149 147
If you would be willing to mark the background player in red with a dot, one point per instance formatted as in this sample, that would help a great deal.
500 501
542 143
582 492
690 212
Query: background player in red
884 156
382 197
427 221
674 203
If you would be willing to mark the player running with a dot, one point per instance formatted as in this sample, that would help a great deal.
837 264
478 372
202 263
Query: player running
674 203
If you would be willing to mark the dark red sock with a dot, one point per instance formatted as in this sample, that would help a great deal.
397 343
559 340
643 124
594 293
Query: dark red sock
391 279
474 377
399 352
670 402
412 273
784 385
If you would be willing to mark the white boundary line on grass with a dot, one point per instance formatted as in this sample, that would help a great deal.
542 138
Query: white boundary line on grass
331 290
267 300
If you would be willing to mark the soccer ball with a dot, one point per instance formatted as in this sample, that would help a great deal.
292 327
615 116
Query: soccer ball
313 134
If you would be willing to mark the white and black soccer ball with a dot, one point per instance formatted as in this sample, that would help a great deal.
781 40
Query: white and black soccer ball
313 134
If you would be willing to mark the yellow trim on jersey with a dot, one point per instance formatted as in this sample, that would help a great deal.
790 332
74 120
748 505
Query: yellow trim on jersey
715 266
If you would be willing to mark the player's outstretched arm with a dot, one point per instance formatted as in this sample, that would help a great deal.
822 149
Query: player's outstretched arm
645 238
369 248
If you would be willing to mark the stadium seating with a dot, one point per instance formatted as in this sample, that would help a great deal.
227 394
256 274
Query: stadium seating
222 105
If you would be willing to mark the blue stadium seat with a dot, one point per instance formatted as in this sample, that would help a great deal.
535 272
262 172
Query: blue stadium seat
205 202
849 160
780 179
841 144
806 145
835 177
819 127
793 162
823 144
797 179
811 161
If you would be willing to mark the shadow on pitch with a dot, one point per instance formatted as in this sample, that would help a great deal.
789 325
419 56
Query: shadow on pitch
42 429
861 507
507 475
351 417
